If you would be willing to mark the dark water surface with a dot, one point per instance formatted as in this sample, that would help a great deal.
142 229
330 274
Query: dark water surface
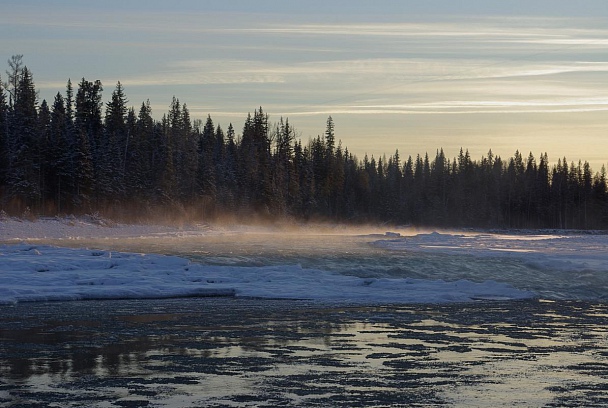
225 352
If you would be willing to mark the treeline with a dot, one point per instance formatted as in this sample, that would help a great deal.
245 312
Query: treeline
76 155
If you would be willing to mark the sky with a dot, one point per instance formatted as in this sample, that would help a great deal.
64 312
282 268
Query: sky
415 76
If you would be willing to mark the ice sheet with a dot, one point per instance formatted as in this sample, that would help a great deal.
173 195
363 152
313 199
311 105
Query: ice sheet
570 252
43 273
434 267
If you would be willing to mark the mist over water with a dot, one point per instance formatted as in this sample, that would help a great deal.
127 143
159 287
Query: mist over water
548 265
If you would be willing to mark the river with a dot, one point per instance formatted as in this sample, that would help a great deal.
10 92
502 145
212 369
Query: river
551 350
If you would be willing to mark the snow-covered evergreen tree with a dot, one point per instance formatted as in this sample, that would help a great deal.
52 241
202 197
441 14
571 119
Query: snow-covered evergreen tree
23 153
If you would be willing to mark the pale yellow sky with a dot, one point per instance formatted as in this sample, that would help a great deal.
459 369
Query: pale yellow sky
527 76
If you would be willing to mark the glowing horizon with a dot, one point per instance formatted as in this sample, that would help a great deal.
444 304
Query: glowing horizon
395 75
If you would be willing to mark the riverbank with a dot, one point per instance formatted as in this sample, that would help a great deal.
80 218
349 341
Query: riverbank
13 229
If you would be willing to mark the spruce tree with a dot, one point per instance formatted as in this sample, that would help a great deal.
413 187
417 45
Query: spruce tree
188 158
92 175
330 138
145 154
114 147
4 127
44 154
23 175
206 176
60 150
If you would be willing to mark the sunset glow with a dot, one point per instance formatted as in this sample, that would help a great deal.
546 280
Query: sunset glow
413 76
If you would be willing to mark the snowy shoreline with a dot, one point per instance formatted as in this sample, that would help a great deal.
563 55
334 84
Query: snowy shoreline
90 226
46 273
32 272
557 264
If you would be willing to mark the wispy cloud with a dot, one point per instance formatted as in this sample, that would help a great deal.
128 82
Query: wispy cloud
467 72
392 86
523 30
393 73
462 108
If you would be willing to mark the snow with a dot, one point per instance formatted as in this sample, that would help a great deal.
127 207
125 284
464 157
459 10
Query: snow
91 226
31 272
45 273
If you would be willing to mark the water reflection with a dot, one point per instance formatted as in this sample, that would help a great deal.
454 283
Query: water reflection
124 344
244 352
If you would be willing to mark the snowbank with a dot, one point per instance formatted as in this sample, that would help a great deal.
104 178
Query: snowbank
552 265
44 273
91 226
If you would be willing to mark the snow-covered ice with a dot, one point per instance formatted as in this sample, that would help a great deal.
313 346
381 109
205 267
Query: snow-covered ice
433 267
42 273
31 272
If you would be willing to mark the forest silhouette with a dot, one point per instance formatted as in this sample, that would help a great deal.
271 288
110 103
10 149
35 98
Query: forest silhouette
78 155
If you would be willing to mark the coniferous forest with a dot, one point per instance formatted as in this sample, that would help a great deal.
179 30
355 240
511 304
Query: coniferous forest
77 154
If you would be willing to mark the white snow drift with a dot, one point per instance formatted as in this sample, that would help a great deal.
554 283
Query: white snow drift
44 273
541 263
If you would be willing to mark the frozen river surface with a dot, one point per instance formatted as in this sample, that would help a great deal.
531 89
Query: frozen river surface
343 266
319 319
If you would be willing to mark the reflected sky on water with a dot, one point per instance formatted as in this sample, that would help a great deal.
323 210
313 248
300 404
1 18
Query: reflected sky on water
253 352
